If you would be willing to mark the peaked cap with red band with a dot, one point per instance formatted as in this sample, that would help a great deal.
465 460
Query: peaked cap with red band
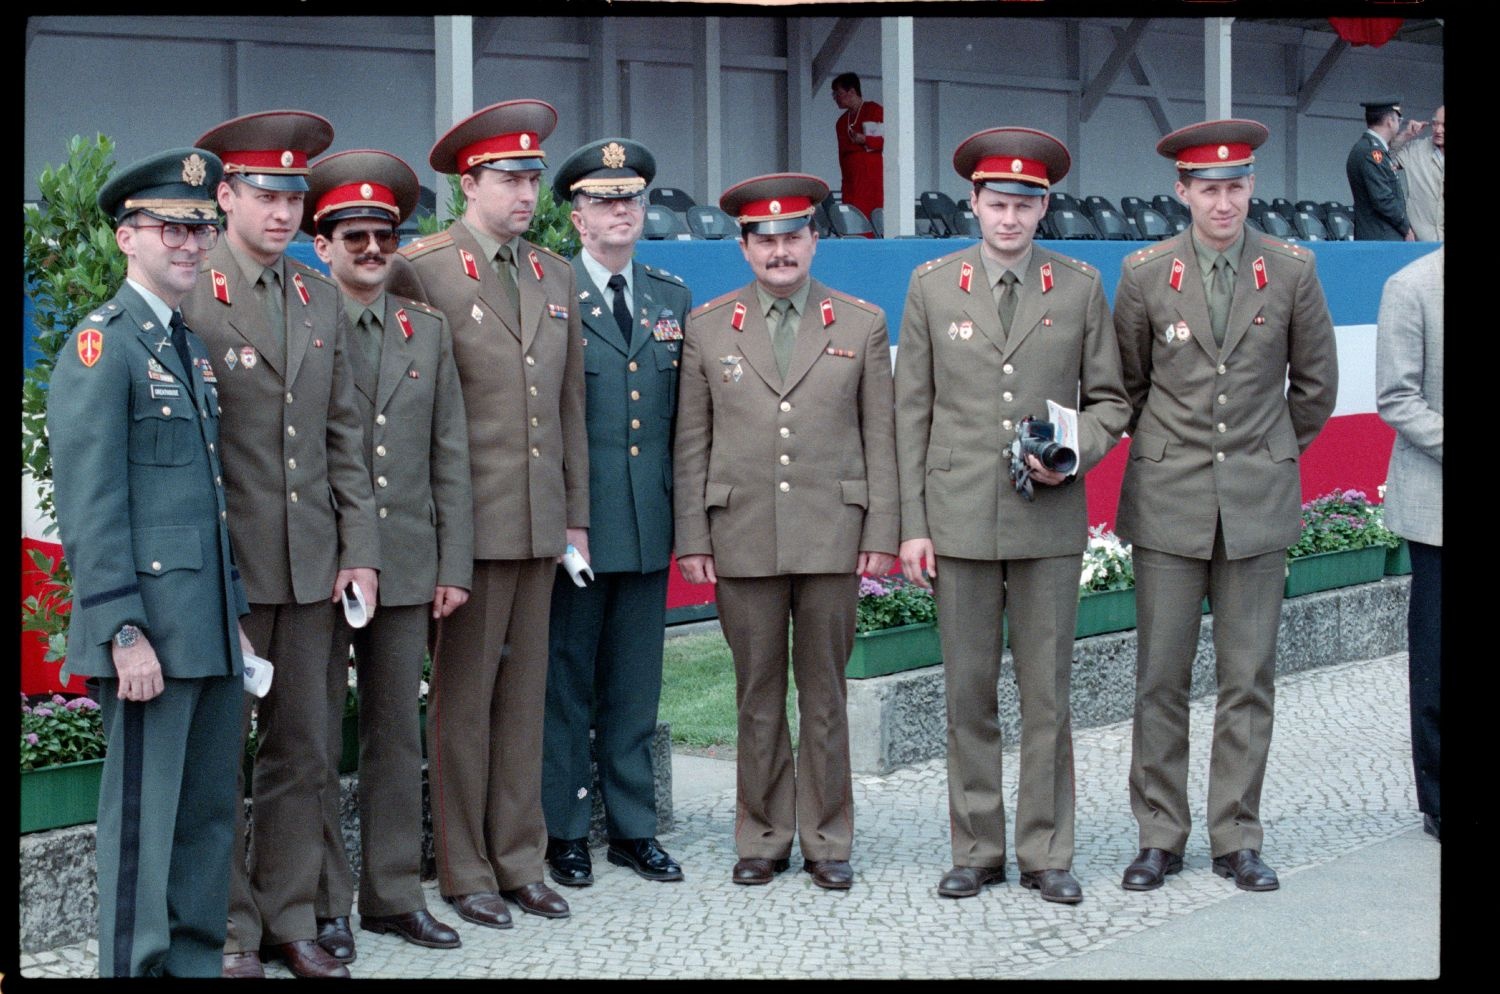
363 182
1215 149
1022 161
507 135
270 149
774 204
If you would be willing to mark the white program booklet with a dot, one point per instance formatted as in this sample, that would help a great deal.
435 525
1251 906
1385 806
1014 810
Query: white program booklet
1066 420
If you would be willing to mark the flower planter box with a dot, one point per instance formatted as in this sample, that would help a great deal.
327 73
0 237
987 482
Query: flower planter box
1103 611
1398 560
893 650
1327 570
59 796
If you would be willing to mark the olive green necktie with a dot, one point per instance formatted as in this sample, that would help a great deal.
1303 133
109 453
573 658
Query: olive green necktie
1220 292
783 335
1008 295
508 280
369 338
270 286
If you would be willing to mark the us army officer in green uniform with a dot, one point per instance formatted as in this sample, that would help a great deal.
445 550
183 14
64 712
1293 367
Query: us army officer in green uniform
989 335
417 446
301 512
133 421
1228 353
604 659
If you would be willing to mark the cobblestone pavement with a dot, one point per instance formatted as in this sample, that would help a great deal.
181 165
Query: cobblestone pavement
1340 780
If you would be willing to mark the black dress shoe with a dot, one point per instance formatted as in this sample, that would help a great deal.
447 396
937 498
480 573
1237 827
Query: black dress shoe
307 959
484 908
646 857
1248 871
755 871
1058 886
568 862
539 899
967 881
1433 826
830 874
417 927
1150 869
336 939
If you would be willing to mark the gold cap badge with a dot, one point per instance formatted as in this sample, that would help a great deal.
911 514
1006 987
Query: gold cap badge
613 155
194 170
1223 152
775 207
287 158
1015 165
525 140
366 190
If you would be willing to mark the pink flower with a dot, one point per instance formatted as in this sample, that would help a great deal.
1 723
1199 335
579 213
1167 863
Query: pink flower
42 712
31 738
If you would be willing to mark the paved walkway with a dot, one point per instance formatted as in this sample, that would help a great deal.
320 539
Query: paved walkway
1341 829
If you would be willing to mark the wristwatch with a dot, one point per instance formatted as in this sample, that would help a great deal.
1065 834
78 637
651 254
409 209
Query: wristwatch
127 636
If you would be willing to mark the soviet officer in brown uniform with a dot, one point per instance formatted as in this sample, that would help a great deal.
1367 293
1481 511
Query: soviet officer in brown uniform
417 446
989 336
301 514
518 346
1229 359
786 492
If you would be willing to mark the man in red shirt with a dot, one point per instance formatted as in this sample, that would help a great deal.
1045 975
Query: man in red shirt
861 136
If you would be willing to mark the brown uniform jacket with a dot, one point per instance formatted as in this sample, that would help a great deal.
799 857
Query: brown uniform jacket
290 431
1216 433
416 442
961 394
523 388
793 477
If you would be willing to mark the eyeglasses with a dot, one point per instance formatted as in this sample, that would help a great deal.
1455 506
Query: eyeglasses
385 239
609 203
175 236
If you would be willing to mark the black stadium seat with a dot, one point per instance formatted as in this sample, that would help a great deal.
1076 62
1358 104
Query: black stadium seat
1112 224
1308 227
939 209
1151 225
663 223
1068 223
711 223
849 221
671 198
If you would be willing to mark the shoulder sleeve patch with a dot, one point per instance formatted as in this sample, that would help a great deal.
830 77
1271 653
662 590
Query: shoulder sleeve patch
546 251
863 305
308 271
426 244
716 302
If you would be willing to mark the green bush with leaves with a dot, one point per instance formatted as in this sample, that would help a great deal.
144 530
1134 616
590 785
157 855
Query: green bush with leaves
60 730
890 602
1339 521
71 265
551 225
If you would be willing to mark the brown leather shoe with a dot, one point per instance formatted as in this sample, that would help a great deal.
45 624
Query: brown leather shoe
244 966
967 881
484 908
756 871
1150 869
306 958
336 939
1058 886
832 874
539 899
1247 869
417 927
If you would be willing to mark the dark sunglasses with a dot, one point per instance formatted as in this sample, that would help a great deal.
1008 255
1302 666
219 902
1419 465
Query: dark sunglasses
385 239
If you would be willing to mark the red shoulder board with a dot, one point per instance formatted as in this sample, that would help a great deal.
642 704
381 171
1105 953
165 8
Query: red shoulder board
301 290
536 264
404 322
965 277
1175 280
470 266
90 346
737 321
221 286
1260 273
826 308
1046 277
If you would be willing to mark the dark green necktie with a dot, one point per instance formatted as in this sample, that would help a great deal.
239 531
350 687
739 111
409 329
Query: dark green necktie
369 337
1007 300
270 285
508 280
1220 293
783 334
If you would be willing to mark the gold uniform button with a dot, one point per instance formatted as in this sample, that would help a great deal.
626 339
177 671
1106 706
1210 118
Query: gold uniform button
635 395
635 450
380 419
785 486
380 481
674 363
531 390
536 453
1007 369
1223 398
1005 424
1223 369
531 360
635 422
294 496
380 450
1223 427
288 396
166 409
786 405
786 432
156 566
535 421
1007 397
632 367
1219 456
291 431
291 464
786 460
384 511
